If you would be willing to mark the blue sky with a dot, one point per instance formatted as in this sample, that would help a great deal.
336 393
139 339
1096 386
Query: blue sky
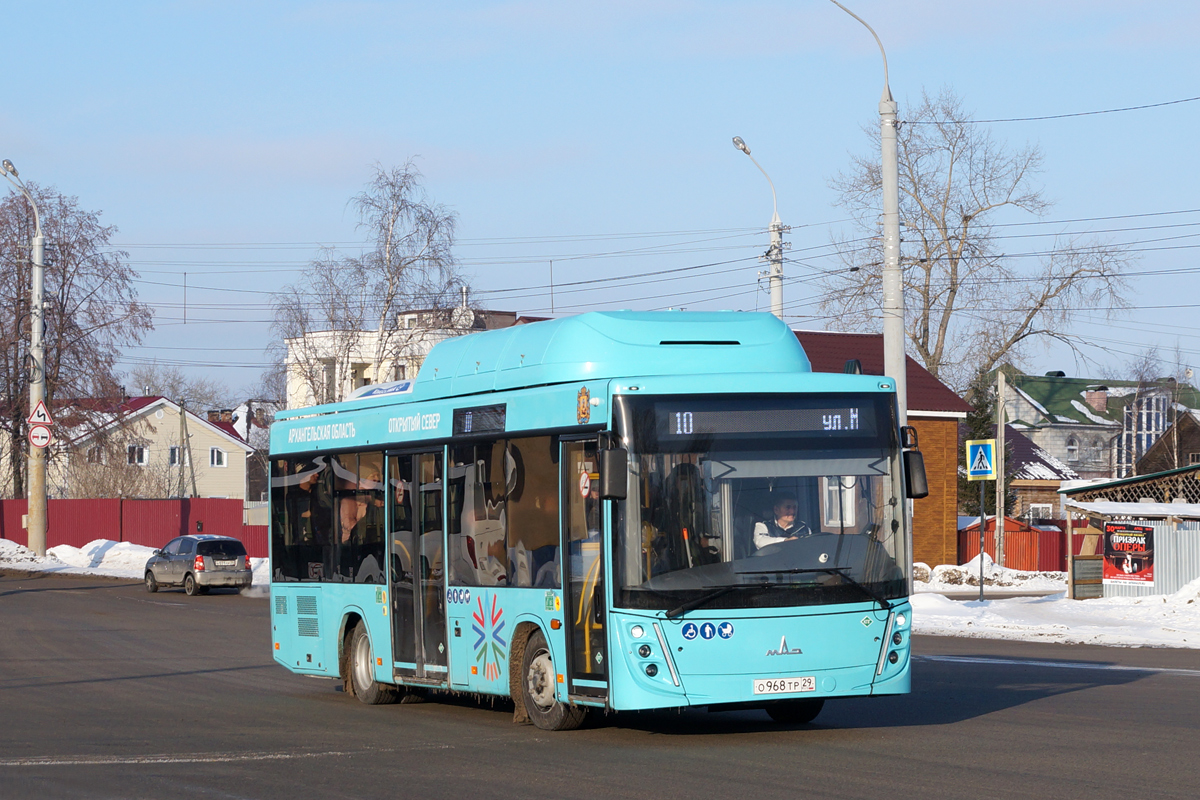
224 139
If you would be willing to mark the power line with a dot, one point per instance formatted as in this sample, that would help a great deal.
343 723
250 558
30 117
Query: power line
1053 116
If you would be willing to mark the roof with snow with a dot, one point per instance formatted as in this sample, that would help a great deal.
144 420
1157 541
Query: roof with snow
1064 400
106 415
829 351
1030 462
1109 508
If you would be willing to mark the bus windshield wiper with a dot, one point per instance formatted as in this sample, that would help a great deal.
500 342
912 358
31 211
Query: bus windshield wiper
839 571
699 601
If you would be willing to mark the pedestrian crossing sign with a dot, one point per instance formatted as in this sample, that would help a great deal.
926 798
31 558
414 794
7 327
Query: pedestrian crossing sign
981 460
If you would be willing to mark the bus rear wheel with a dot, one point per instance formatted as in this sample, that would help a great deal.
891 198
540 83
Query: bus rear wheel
538 689
361 665
795 711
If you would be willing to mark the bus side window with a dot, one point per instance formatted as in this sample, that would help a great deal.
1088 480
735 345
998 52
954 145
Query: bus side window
531 492
479 556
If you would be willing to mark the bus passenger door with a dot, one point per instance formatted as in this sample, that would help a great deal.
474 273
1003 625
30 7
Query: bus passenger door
417 571
587 656
402 557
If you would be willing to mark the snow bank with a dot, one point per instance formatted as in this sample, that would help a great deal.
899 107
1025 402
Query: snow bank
948 578
1158 621
106 558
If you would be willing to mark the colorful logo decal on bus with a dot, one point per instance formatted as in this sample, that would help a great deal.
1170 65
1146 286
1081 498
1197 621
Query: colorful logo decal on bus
583 407
489 647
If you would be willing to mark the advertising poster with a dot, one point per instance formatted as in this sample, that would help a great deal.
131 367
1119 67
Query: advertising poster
1128 554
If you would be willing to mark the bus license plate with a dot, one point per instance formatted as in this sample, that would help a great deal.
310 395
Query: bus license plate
802 683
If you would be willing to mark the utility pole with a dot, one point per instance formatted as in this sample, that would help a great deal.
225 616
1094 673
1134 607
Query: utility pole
37 367
775 253
1001 385
893 280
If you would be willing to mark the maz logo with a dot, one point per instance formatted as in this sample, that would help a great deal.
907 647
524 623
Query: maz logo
784 650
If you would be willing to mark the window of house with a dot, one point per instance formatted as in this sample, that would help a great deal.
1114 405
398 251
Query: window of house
1194 458
136 454
176 456
216 457
1072 449
1041 511
95 455
399 372
840 501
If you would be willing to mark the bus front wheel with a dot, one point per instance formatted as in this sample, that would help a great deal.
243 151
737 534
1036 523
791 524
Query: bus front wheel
538 689
362 671
795 711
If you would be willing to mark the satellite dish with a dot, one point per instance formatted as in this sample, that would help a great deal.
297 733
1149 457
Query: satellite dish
463 318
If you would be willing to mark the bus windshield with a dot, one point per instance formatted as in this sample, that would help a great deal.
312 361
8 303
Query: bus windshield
759 501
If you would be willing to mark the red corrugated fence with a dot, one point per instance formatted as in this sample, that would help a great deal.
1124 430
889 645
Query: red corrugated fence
152 523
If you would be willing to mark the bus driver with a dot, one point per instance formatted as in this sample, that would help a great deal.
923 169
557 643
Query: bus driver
783 527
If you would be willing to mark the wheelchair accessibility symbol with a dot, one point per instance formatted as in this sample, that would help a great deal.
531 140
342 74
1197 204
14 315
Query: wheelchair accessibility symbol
690 631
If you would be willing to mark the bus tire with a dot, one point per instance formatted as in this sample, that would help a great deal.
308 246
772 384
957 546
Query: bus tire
796 712
151 584
190 587
538 689
361 665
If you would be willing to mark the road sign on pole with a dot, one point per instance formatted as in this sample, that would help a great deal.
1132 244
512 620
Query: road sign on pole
40 415
981 460
39 435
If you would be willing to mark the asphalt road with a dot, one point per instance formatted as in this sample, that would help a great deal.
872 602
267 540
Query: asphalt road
106 691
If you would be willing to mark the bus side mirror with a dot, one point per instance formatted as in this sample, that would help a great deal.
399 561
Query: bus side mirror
614 474
915 484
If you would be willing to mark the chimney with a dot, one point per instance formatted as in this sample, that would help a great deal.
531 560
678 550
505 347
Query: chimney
1097 398
227 415
214 415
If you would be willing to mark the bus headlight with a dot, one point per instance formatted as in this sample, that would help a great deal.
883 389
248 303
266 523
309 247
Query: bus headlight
637 631
900 620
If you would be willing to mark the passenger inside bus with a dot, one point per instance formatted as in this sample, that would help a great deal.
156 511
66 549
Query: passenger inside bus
781 525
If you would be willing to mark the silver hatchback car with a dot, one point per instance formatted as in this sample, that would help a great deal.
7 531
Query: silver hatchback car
198 563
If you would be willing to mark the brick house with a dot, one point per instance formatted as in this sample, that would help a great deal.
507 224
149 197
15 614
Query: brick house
934 410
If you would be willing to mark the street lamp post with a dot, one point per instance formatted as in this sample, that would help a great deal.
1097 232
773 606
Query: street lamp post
893 283
37 371
775 254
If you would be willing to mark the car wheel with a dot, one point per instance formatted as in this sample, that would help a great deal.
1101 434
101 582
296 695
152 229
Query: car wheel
538 689
361 665
151 584
795 711
189 585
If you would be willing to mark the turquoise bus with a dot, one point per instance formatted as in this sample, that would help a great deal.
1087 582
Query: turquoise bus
616 511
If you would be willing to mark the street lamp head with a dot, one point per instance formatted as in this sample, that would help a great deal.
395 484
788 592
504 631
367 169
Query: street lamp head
737 142
8 167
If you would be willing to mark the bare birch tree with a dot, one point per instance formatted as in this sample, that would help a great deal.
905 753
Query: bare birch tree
343 305
970 305
91 312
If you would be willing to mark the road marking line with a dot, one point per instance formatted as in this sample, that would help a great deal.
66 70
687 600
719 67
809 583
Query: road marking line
198 758
1056 664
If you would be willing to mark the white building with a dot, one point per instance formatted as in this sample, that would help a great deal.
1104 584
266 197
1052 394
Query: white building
327 366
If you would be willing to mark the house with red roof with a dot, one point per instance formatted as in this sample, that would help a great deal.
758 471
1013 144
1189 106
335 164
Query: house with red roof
934 410
145 447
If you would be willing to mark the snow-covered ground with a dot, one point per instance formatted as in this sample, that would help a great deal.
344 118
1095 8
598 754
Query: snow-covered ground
104 557
1160 621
